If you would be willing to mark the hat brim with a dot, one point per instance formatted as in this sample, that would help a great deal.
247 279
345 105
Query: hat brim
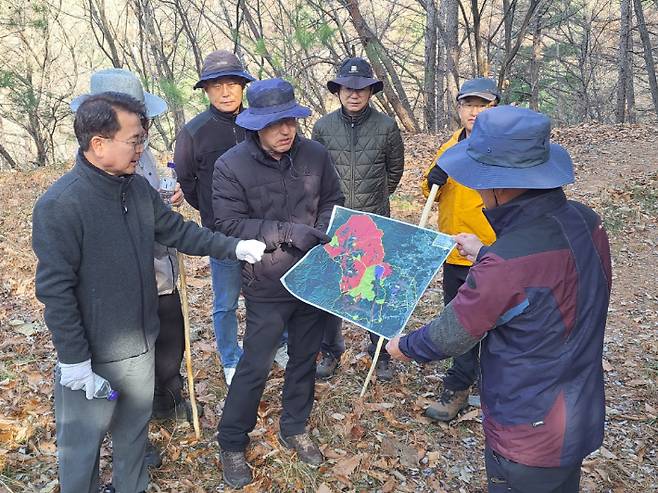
355 82
155 105
224 73
484 95
461 167
250 121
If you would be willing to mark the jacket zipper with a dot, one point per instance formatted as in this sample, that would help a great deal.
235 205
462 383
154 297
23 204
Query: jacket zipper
352 165
124 207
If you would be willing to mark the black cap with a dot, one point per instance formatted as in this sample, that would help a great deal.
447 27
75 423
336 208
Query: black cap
355 73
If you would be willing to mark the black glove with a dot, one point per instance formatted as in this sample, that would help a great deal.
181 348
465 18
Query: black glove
437 176
305 237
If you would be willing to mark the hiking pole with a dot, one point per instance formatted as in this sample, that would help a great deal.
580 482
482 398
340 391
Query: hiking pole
188 352
423 220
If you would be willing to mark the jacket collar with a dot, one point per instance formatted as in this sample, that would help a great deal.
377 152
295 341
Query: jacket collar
103 183
259 154
524 209
358 119
223 116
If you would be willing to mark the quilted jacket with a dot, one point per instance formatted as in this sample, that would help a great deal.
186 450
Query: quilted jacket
368 153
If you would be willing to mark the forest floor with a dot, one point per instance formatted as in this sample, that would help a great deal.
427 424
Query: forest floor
382 442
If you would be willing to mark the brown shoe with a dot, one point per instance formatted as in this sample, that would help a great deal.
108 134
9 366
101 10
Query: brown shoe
449 404
235 469
307 451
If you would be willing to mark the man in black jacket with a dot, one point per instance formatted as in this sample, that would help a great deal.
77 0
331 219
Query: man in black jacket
93 235
198 145
367 149
280 188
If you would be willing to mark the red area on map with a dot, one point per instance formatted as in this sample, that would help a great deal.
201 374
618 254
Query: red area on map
359 247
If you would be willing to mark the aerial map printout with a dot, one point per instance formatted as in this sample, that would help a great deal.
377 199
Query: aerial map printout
372 273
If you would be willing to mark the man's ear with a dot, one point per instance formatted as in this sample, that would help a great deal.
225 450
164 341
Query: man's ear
97 145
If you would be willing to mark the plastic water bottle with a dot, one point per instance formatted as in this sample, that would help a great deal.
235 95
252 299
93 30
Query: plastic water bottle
168 182
103 390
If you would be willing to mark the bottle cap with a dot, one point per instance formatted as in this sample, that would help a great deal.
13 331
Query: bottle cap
171 164
113 395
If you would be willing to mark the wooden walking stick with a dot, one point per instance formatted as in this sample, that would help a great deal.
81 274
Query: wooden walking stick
423 220
188 352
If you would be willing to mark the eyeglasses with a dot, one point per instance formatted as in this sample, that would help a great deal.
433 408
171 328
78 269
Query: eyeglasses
476 106
141 142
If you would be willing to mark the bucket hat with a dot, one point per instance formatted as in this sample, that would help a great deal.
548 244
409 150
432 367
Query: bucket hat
222 63
480 87
355 73
121 80
509 147
270 100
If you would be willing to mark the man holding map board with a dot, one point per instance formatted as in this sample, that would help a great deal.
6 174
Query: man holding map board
281 188
539 294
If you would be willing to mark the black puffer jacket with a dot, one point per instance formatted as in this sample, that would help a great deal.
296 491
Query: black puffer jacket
369 156
256 196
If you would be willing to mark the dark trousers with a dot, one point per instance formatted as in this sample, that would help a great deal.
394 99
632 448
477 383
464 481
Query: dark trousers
506 476
465 368
265 325
169 348
334 344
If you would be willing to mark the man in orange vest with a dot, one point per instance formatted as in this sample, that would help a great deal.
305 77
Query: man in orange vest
460 211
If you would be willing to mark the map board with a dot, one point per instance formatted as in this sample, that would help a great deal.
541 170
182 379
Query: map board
372 273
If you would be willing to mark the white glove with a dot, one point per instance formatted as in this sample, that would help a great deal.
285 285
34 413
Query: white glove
78 376
250 250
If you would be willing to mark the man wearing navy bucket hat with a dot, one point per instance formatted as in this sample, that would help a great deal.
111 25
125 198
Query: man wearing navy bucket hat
368 153
539 294
198 145
281 188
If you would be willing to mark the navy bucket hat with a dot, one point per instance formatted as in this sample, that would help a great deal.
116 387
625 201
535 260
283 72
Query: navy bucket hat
509 147
222 63
270 100
124 81
355 73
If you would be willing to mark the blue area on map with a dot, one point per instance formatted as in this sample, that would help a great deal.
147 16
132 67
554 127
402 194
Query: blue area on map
374 271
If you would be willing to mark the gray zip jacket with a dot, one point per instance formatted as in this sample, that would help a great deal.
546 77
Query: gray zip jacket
93 235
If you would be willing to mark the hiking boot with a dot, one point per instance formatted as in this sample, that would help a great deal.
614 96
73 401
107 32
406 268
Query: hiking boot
383 370
307 451
326 367
180 412
449 404
235 470
281 357
152 456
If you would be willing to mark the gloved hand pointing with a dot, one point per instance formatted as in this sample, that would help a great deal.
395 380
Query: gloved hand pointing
78 376
250 250
305 237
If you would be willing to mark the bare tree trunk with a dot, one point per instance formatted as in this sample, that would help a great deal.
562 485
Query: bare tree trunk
482 67
7 157
383 66
452 59
431 47
648 53
623 64
100 28
535 62
512 50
